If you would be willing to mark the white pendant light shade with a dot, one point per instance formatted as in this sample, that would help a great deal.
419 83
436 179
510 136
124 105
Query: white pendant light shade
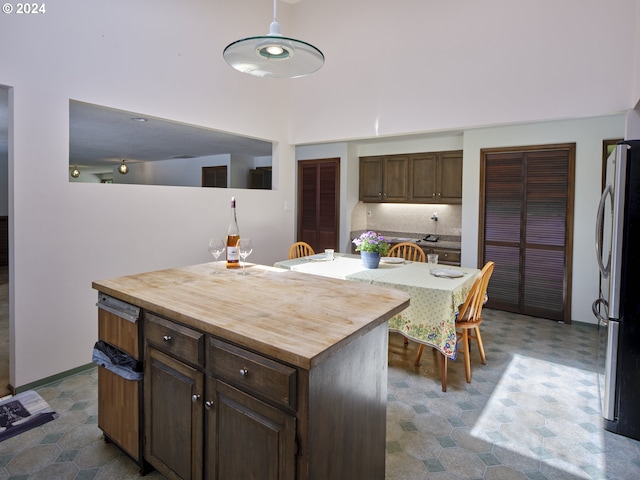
273 55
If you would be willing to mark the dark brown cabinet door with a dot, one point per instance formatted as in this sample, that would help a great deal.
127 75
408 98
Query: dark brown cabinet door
371 179
450 177
247 438
396 179
384 178
174 416
424 170
319 203
527 229
436 177
214 176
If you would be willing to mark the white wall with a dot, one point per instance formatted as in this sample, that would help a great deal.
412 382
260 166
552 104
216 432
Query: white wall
410 67
184 172
167 63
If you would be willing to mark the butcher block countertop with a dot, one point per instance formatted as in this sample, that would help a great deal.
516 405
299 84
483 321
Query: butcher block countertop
290 316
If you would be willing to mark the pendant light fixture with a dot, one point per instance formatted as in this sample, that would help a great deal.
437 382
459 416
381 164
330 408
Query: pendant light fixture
273 55
75 173
123 168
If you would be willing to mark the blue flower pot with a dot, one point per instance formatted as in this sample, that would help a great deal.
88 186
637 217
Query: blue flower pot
370 259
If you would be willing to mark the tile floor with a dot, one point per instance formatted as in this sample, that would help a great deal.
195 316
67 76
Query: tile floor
531 413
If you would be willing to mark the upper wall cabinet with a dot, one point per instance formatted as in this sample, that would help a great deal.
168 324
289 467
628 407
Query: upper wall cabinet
384 178
415 178
436 177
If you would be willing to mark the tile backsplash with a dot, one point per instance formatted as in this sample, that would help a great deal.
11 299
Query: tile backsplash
407 218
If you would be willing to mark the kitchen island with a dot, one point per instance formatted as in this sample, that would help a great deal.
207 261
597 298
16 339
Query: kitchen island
272 375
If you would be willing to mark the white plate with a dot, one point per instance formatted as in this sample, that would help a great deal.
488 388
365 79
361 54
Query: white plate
392 260
319 257
447 272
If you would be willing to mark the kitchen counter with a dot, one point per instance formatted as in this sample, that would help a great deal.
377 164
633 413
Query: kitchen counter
290 316
294 361
441 243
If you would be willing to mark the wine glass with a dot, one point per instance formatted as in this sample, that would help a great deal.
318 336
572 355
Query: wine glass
245 247
216 247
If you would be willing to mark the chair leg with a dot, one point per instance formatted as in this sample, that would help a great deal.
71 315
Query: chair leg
483 358
419 355
467 360
443 371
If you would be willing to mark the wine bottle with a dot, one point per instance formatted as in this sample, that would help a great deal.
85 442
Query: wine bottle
233 235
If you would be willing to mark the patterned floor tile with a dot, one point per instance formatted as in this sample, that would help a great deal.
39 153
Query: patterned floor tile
531 413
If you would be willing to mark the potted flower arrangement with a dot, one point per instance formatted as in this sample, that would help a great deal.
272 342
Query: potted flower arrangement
371 247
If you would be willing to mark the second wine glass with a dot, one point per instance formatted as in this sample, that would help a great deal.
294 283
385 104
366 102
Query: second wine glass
216 247
245 247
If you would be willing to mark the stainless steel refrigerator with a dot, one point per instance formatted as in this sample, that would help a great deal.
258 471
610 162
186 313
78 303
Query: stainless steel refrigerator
618 306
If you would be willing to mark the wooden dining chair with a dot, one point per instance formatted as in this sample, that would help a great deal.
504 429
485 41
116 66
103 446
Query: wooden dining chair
409 251
468 320
300 249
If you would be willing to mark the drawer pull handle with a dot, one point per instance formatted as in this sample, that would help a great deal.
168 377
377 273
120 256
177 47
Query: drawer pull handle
195 397
244 372
208 404
167 338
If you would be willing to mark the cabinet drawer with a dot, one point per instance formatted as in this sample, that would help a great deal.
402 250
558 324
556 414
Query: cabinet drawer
176 340
118 332
252 372
448 257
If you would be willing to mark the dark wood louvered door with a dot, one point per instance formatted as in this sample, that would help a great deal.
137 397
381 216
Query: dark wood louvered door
527 228
319 203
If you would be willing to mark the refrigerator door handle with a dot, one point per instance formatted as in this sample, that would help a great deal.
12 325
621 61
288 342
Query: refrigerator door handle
604 269
595 308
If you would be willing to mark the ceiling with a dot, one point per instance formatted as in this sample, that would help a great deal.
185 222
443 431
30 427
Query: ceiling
100 137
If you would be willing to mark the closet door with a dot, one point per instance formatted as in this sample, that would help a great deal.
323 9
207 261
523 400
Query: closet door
528 229
318 203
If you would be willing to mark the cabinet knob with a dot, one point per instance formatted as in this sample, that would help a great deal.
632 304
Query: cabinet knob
166 338
244 372
195 397
208 404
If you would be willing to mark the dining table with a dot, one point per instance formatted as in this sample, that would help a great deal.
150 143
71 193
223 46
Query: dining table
435 294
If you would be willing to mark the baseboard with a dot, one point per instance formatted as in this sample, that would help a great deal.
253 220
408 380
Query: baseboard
51 379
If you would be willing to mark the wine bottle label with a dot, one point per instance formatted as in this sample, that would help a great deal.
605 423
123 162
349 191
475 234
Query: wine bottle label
232 254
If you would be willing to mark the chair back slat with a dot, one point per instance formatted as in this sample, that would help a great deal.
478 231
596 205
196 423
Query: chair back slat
300 249
471 309
409 251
